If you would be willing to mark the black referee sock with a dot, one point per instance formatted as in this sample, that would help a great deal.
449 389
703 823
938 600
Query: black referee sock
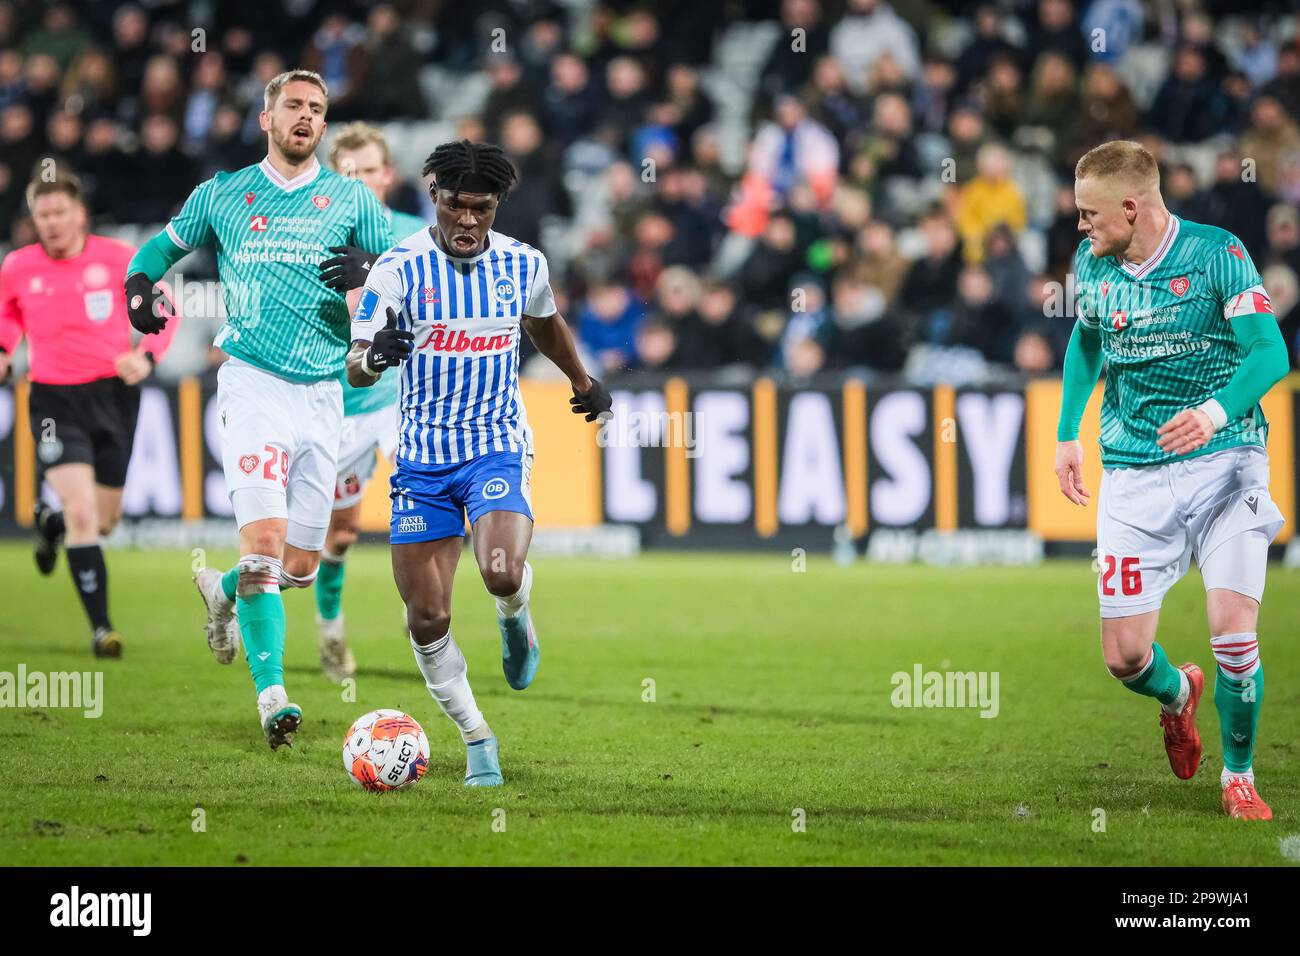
89 574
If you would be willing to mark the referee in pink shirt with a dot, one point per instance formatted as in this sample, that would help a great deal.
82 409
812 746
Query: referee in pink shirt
64 293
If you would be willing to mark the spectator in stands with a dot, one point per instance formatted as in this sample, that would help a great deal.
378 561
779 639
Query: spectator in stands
41 78
765 275
1232 203
933 97
106 172
794 148
162 93
865 333
1054 103
1189 106
931 283
714 334
1270 136
1285 86
607 324
1283 224
966 137
509 93
1179 189
691 108
809 328
168 171
986 43
656 345
1056 31
1106 111
877 262
569 104
802 40
390 86
337 52
208 90
59 36
1284 289
987 200
869 30
1256 57
1002 94
540 190
90 84
130 47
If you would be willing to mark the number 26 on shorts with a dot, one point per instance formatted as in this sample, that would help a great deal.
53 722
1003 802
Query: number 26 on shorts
1130 576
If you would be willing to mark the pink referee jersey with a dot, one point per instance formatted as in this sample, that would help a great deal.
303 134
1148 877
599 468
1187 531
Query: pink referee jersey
73 311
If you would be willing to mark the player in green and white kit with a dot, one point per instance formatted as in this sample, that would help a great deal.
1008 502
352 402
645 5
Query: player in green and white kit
1179 314
370 415
279 393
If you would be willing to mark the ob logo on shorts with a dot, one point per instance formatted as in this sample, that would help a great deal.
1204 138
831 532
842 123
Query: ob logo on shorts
496 488
504 290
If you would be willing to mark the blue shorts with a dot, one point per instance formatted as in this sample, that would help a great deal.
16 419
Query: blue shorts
430 501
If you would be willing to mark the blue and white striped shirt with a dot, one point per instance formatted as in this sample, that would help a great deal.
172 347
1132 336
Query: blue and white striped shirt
460 387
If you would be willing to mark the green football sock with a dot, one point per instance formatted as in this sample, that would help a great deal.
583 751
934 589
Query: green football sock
230 582
1159 679
329 587
261 622
1238 701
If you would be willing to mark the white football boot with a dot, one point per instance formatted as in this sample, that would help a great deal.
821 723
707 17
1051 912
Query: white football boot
223 623
335 656
280 718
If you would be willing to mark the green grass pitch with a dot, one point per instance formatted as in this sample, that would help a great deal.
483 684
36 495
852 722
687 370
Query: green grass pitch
772 702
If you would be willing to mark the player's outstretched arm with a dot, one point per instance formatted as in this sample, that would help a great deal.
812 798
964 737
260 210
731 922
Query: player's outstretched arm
554 339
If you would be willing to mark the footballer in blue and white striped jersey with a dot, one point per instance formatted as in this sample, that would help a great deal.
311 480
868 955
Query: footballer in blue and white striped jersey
460 387
444 309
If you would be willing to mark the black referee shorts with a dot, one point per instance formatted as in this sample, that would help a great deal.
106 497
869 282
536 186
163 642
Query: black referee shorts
92 424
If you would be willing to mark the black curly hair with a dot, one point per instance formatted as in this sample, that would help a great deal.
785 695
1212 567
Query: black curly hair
452 164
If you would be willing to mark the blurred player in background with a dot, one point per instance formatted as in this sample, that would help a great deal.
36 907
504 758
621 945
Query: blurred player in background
64 293
1179 314
279 393
359 151
448 302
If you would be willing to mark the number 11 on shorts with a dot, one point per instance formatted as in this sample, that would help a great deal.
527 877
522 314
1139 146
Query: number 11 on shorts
1130 576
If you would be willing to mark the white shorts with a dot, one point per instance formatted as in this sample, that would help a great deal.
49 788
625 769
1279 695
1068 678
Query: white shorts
1153 521
362 436
279 445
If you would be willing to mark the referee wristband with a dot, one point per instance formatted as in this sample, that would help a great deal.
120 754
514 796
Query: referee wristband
1218 417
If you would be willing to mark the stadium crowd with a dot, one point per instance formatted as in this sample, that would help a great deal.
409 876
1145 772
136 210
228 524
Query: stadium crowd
788 185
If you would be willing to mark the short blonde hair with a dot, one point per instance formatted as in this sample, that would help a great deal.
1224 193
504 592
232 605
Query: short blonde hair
63 181
292 76
358 135
1120 159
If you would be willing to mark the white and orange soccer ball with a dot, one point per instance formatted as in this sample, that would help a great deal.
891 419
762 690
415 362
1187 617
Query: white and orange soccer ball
385 750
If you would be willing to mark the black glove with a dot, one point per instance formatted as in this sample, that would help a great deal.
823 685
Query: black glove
390 347
349 269
141 304
595 402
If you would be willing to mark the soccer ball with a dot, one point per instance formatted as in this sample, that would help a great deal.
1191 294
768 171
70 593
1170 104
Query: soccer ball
385 750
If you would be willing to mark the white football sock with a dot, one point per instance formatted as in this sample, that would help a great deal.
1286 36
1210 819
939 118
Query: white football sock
512 606
445 674
1184 692
1229 774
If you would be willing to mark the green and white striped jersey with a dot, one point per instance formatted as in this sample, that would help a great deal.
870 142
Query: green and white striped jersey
1167 338
359 401
271 235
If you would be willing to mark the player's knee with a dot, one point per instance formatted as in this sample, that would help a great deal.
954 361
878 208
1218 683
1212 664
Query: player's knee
342 537
300 570
262 542
1124 663
80 519
503 579
427 623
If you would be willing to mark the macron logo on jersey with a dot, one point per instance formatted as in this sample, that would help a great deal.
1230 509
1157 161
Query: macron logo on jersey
366 307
